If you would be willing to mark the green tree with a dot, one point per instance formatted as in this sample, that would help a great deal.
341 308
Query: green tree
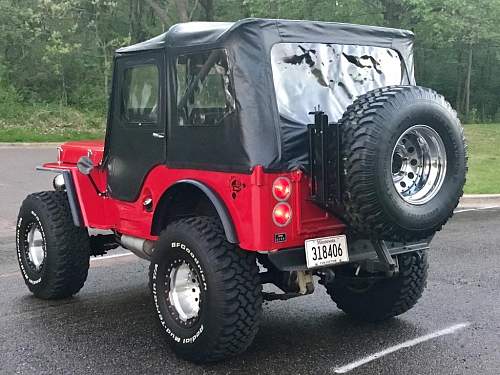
60 51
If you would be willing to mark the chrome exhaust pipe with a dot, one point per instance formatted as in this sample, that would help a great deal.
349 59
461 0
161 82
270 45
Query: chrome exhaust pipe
139 246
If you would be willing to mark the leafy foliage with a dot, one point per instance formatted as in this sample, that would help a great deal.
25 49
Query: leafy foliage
59 52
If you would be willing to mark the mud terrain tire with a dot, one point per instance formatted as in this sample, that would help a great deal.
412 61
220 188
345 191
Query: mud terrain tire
225 285
385 298
64 250
372 127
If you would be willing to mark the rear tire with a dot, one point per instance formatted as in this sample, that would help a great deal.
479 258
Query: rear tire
206 291
52 252
383 299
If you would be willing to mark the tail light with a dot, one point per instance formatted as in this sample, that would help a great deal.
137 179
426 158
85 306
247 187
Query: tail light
282 189
282 214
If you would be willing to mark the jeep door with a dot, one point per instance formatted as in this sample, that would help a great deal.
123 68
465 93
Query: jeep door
135 140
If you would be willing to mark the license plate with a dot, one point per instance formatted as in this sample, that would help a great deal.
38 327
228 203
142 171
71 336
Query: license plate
321 252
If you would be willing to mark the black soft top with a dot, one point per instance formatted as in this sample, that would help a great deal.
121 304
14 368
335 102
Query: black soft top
262 136
184 35
193 34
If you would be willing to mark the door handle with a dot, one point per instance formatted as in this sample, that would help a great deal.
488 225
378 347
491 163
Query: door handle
159 135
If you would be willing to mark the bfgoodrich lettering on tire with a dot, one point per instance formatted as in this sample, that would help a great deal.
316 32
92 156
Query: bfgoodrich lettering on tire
206 291
53 253
404 163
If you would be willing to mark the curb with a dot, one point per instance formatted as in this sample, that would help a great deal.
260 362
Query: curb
29 144
479 200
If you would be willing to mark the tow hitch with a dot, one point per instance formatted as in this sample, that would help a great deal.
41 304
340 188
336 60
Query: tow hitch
293 284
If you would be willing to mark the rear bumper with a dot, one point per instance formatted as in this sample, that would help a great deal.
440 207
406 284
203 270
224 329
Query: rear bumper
359 251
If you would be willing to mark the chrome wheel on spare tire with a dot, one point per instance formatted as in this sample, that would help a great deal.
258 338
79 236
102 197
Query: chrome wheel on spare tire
404 162
418 164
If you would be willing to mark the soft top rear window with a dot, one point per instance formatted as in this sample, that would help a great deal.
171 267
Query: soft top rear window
329 77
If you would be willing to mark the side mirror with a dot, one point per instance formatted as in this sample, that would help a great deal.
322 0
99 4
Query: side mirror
85 165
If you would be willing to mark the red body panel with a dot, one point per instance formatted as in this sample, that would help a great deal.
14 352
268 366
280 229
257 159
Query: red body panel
248 198
70 152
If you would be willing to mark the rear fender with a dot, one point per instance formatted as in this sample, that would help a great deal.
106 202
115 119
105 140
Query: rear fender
164 212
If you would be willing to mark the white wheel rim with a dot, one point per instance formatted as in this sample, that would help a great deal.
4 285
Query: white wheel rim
184 291
36 253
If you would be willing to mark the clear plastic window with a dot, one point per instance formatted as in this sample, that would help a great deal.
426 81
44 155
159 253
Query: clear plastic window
204 89
140 94
308 76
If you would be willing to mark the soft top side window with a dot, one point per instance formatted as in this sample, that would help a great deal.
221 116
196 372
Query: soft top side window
140 94
205 95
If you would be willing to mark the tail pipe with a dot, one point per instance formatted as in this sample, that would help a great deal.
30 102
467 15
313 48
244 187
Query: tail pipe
139 246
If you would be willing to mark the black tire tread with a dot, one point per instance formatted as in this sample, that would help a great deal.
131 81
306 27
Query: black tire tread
361 127
241 289
70 249
387 298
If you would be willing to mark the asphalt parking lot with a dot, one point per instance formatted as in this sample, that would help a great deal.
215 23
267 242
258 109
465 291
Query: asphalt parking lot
111 327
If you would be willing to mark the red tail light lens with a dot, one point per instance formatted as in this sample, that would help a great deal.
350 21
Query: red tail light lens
282 214
282 188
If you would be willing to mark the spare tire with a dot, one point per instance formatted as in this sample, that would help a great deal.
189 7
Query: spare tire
404 161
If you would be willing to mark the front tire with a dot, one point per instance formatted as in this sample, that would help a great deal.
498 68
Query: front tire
384 298
206 291
52 252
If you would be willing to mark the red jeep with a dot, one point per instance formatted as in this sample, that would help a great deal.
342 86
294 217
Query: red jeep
250 153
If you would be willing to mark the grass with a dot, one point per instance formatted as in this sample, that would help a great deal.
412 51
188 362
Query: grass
20 122
484 159
14 135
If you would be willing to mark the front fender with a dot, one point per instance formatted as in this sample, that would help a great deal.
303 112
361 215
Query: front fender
76 212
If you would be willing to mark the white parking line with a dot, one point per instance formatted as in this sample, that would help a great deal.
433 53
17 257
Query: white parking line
111 256
406 344
476 209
